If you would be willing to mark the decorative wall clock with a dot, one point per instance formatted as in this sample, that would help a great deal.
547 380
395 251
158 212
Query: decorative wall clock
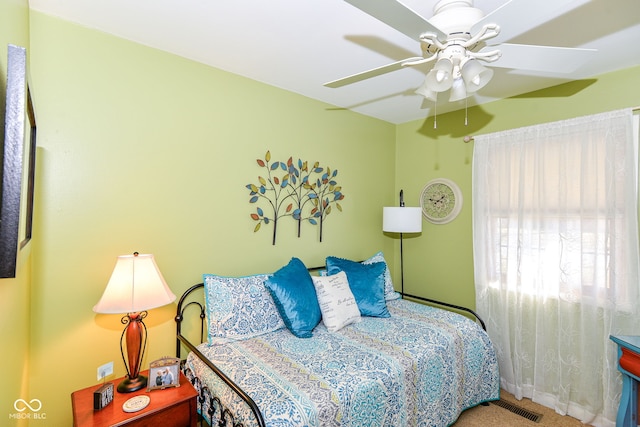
441 201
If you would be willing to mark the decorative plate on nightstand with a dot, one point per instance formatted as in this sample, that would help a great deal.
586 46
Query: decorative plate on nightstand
136 403
441 201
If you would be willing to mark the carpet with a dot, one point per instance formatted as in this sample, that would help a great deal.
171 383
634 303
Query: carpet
510 412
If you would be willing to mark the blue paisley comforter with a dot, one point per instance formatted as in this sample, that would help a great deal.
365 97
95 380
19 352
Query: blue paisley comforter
421 367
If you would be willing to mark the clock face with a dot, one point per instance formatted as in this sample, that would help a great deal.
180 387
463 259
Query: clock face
441 201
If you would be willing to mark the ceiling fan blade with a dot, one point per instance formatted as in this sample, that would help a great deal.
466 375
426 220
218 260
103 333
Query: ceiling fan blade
398 16
551 59
370 73
510 15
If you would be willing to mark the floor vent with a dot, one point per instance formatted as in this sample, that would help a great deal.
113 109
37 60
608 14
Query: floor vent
518 410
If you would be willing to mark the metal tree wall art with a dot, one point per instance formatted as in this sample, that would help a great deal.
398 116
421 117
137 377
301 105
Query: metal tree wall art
302 192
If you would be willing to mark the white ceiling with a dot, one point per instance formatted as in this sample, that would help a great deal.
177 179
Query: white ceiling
299 45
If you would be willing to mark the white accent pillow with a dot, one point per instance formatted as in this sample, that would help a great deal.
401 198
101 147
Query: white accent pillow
337 303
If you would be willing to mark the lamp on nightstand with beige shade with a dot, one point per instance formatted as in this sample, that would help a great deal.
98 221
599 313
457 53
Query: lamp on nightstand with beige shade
136 285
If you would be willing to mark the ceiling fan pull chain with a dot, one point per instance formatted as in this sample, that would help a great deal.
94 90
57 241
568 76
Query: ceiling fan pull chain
435 114
465 111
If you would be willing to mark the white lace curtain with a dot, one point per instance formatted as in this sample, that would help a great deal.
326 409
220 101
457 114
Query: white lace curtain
556 258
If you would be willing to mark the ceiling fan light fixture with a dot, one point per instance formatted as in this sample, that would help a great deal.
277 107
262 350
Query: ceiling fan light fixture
440 78
458 91
475 75
426 92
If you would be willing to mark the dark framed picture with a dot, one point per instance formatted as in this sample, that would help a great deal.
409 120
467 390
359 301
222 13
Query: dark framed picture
19 144
164 373
28 173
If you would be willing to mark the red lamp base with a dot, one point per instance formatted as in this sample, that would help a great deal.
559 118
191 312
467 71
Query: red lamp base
135 338
130 385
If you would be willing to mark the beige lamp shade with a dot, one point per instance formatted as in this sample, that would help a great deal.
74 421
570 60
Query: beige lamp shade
136 284
401 220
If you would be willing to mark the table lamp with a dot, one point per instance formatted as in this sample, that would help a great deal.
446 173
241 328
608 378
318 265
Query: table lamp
136 285
401 220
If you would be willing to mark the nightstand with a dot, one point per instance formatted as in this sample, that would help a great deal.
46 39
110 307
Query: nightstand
629 366
171 407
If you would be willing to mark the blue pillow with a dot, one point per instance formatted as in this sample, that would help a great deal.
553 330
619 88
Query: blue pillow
295 297
389 292
366 282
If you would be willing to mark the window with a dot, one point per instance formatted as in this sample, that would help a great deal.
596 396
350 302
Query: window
555 228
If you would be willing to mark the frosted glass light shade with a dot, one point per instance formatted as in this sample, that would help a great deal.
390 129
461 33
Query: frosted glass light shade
475 75
401 220
440 78
426 92
136 284
458 91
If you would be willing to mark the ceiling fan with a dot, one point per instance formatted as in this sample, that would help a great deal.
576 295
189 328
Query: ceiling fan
459 38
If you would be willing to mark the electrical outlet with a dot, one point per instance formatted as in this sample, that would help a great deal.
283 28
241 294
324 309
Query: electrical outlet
105 370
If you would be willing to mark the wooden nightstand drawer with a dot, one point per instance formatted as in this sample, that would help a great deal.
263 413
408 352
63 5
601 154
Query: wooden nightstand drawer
171 407
174 416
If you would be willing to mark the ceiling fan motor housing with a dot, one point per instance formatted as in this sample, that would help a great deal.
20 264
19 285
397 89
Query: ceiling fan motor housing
455 17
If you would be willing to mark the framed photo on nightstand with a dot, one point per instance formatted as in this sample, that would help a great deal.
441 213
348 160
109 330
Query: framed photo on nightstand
164 373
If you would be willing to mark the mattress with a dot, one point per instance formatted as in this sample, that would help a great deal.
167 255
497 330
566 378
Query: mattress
420 367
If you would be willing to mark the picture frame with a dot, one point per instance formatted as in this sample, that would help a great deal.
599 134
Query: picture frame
164 373
29 173
13 166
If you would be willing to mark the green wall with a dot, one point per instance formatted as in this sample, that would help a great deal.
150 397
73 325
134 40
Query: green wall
140 150
14 293
439 263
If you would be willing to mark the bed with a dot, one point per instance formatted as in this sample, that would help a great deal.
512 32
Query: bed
344 349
